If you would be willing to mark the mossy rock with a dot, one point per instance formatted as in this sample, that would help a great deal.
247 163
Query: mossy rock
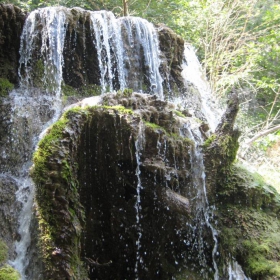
5 87
248 189
252 238
248 212
9 273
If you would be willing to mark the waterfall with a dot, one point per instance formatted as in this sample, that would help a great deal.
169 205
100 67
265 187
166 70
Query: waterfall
41 77
140 36
38 107
192 72
128 57
139 145
203 209
108 42
121 46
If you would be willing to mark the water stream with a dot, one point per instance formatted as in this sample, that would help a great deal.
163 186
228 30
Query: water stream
139 144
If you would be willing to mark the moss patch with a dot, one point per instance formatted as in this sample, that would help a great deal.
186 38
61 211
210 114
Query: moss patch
242 187
252 237
179 114
121 109
84 91
5 87
8 273
209 141
248 211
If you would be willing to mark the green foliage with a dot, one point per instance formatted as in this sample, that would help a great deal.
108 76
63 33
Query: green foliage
8 273
5 87
154 126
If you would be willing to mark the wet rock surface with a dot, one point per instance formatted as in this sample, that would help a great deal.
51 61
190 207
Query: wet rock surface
91 201
11 23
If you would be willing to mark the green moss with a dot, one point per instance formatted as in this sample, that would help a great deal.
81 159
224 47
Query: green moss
5 87
252 237
3 252
154 126
209 141
90 90
257 261
46 146
57 176
68 90
127 92
84 91
8 273
179 114
120 109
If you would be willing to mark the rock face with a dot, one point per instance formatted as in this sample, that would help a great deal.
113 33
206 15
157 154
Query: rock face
11 24
116 195
117 187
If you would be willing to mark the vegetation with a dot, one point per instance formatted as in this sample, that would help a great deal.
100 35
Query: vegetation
8 273
5 87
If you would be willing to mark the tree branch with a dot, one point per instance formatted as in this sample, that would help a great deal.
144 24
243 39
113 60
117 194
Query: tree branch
261 134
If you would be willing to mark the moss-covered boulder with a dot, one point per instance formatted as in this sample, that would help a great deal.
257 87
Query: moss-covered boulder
248 214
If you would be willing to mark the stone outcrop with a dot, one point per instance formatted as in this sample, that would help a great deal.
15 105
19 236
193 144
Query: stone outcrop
116 176
11 23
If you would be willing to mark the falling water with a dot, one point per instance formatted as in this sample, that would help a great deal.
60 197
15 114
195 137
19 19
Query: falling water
235 272
123 45
139 144
142 37
192 72
203 209
47 104
113 39
108 42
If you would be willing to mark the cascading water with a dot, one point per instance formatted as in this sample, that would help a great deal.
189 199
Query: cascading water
192 72
139 144
108 42
43 68
26 99
141 37
203 209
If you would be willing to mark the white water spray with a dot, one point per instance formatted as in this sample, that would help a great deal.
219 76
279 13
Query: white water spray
192 72
142 35
25 100
139 144
199 184
107 33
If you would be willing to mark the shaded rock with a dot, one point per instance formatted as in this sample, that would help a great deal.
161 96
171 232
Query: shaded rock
11 23
100 221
